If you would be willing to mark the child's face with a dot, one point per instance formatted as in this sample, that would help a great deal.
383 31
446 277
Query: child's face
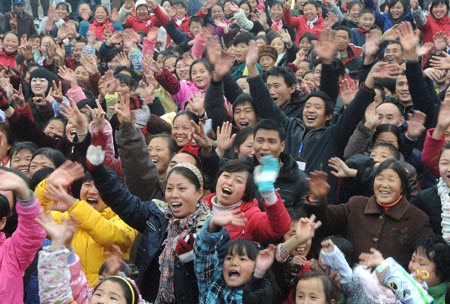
237 269
380 154
109 292
367 21
302 249
310 291
421 263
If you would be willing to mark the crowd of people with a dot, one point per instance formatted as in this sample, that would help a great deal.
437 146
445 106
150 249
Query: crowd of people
209 151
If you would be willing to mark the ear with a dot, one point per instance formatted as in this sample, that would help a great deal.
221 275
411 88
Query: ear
283 145
292 89
328 117
3 223
200 193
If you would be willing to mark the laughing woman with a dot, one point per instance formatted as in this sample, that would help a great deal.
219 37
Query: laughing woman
386 221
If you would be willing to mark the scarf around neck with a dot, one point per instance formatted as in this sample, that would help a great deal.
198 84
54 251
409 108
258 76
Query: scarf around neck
177 228
444 191
312 22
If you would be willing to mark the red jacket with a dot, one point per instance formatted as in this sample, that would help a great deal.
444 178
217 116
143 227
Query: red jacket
261 226
301 26
431 152
8 60
99 29
184 26
434 26
158 18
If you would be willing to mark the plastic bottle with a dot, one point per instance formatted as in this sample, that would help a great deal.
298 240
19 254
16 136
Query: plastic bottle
136 59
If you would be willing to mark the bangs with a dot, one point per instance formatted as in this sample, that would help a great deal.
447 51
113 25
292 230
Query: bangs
242 247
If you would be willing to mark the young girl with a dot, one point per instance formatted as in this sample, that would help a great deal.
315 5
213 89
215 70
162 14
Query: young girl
243 272
315 287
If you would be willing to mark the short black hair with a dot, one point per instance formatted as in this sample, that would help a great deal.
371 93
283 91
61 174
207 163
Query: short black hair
240 166
329 288
388 146
180 2
329 106
343 28
399 168
269 124
436 249
386 128
288 76
21 146
196 19
242 247
241 136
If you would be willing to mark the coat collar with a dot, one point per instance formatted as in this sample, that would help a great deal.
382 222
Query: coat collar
396 212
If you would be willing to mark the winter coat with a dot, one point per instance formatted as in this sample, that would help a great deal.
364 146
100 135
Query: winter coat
260 226
301 25
25 25
430 25
429 201
18 251
99 28
366 225
8 60
157 19
96 231
384 21
432 152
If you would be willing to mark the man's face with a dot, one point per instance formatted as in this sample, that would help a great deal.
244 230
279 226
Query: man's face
393 53
244 115
342 40
314 115
268 142
19 8
76 51
278 89
402 90
389 113
180 11
195 28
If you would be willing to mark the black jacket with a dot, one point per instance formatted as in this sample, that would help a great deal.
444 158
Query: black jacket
429 202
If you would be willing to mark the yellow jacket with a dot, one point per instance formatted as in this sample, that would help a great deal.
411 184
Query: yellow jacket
95 233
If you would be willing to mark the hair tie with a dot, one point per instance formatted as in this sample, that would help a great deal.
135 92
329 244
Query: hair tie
194 170
133 296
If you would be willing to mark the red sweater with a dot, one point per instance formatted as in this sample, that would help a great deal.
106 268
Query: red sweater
158 18
301 26
261 226
434 26
8 60
99 29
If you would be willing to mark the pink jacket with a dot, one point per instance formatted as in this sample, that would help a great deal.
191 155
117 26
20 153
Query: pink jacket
17 252
261 226
76 94
431 152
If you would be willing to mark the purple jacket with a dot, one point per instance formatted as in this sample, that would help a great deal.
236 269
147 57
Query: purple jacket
17 252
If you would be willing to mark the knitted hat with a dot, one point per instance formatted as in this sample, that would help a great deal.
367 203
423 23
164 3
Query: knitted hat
46 74
19 2
267 50
139 3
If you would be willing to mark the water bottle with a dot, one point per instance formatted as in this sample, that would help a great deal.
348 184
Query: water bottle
136 59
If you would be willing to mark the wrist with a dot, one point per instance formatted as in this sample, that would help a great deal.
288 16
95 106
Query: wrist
410 55
259 273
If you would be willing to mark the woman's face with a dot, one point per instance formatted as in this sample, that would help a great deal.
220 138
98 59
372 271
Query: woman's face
353 14
54 128
278 44
181 195
389 138
444 166
227 9
142 12
21 161
84 8
81 75
90 194
182 70
246 148
276 13
308 81
439 11
10 43
217 12
253 4
62 12
109 292
166 6
182 130
160 154
305 45
303 67
387 186
200 75
169 64
266 62
100 15
245 9
40 161
39 86
397 10
303 248
230 187
45 41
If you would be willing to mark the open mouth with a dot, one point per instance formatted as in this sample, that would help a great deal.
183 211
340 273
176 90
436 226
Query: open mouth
244 124
176 206
155 161
227 191
310 118
234 275
301 250
92 201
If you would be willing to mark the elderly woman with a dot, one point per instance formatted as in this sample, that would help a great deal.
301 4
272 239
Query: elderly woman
386 221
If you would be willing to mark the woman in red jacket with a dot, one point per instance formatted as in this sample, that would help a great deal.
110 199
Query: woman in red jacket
311 21
436 21
235 189
10 45
103 23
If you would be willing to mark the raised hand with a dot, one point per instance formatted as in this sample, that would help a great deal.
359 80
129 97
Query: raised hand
331 20
306 228
62 201
372 259
348 91
114 15
98 115
57 91
116 38
225 138
110 83
264 260
27 51
416 124
197 103
122 109
66 174
67 74
434 74
75 117
18 96
318 184
370 116
441 62
340 168
326 48
60 234
252 54
13 22
408 38
10 181
262 18
198 133
89 63
390 34
113 260
285 37
40 101
124 60
233 217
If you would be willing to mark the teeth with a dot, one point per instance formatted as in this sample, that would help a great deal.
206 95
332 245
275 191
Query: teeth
154 161
227 191
176 205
